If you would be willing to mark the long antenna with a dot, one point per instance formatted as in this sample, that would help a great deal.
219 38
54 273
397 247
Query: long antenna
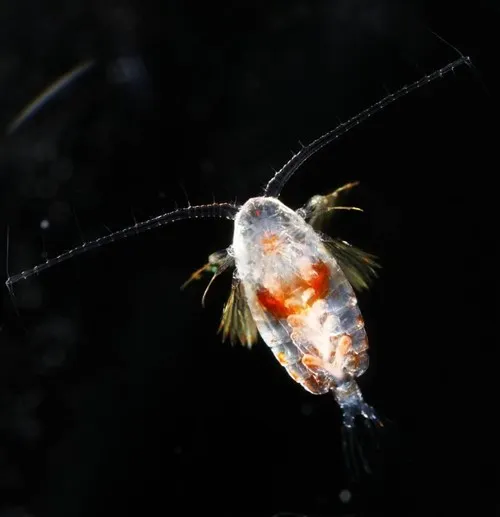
214 210
49 93
279 180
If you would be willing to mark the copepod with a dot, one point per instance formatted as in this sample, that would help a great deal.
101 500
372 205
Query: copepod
300 299
291 284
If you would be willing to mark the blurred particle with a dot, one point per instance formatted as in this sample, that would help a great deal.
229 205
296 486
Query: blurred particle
10 479
59 211
52 343
31 399
290 514
27 186
84 184
126 70
44 151
207 166
44 224
54 357
321 500
62 169
130 73
46 188
28 427
345 495
15 511
306 409
29 298
178 450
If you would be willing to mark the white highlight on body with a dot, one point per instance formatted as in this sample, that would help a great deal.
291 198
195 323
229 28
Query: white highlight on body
315 326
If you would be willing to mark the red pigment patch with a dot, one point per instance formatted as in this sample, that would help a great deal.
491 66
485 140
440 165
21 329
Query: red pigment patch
288 301
273 304
320 282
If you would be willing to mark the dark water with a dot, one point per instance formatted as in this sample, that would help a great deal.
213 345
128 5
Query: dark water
116 394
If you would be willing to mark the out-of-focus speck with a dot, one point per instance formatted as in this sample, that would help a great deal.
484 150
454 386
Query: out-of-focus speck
306 409
126 70
61 169
28 427
84 184
345 495
252 82
199 107
54 357
206 166
46 188
59 211
10 478
27 187
178 450
290 514
321 500
15 511
30 297
161 195
31 400
44 224
52 344
44 151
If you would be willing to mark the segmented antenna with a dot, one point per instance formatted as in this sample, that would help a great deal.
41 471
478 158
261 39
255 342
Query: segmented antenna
213 210
279 180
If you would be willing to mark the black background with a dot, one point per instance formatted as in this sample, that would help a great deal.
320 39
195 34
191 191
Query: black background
116 394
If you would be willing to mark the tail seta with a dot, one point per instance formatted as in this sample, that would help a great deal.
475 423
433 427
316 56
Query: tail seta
358 441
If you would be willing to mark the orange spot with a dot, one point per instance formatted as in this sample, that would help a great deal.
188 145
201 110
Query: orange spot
270 243
313 385
320 281
345 343
281 356
295 321
310 361
273 304
294 375
331 356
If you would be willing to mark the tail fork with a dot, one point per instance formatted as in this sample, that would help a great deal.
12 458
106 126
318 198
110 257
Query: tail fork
357 439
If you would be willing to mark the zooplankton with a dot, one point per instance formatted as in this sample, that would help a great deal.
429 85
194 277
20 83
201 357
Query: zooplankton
291 284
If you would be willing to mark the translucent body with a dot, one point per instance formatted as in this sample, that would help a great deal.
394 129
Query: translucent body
302 304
